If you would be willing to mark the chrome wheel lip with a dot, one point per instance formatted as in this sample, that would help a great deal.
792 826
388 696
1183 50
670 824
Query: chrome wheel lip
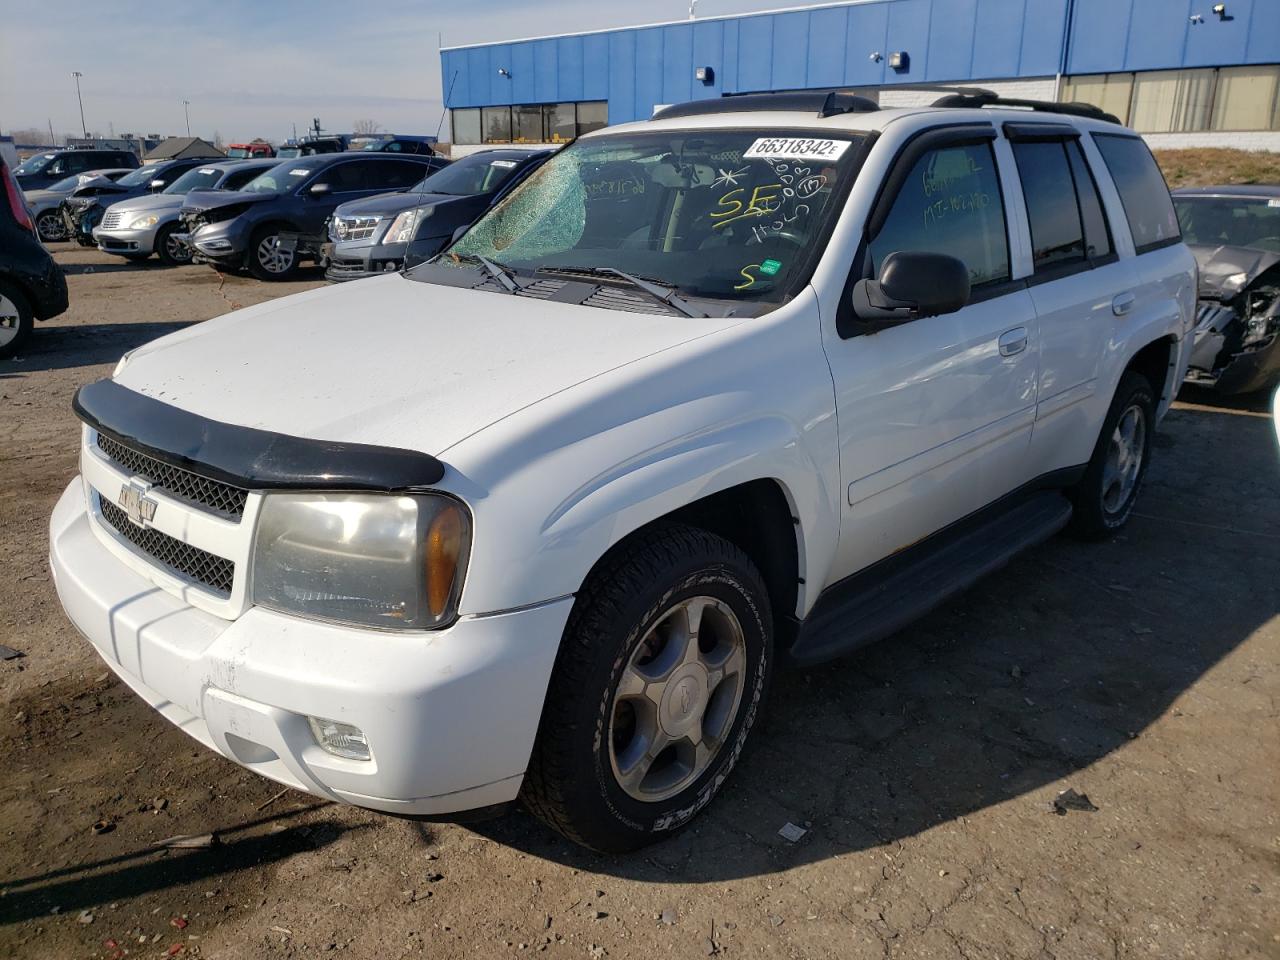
1123 464
675 700
10 321
271 257
175 249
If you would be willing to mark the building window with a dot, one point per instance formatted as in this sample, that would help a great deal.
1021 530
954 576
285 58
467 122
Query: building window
1169 101
1110 91
529 123
466 126
1247 98
496 122
592 115
526 123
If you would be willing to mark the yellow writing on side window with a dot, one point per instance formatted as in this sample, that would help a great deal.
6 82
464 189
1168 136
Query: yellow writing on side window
735 209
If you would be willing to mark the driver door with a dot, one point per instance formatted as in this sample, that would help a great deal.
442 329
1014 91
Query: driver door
935 414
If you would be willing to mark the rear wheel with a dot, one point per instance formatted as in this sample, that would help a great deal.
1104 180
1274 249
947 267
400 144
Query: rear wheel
16 320
1104 498
51 227
661 675
171 251
269 257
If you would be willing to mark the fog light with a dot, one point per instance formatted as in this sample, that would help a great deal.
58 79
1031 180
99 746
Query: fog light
340 739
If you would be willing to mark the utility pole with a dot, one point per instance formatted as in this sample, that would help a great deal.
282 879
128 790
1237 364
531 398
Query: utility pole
83 129
187 113
52 141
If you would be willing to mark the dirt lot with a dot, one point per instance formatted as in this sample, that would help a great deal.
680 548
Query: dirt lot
1144 673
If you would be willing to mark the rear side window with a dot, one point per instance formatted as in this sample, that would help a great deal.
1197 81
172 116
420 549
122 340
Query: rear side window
238 178
1097 235
394 174
1057 235
1142 189
950 203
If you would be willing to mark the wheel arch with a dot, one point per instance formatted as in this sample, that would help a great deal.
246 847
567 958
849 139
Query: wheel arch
1158 361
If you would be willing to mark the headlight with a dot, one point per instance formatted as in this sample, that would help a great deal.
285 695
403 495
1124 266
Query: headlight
143 222
1235 283
376 560
403 227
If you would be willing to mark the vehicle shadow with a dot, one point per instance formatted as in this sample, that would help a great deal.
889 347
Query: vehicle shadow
1257 402
1062 658
63 348
148 869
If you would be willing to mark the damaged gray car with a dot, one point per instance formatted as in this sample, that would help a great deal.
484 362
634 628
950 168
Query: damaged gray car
1234 233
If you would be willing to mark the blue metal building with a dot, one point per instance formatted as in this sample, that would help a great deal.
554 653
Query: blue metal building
1171 66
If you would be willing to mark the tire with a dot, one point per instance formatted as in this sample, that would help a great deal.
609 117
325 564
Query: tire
591 777
1104 497
265 261
50 227
16 320
170 251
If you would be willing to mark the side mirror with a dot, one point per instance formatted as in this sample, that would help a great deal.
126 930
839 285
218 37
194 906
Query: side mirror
912 285
157 184
320 189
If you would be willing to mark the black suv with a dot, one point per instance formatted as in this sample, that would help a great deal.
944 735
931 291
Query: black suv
45 169
279 219
32 286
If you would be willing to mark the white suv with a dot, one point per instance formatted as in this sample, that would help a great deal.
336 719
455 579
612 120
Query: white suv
758 380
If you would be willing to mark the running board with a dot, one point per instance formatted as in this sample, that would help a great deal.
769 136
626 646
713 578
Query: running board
883 599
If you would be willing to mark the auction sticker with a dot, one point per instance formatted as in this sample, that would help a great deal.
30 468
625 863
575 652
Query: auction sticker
795 148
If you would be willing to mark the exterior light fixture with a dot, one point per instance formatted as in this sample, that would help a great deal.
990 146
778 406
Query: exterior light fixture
705 75
1220 11
1195 18
900 60
504 72
875 56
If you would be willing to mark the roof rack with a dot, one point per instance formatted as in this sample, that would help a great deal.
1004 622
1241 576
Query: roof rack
824 103
980 97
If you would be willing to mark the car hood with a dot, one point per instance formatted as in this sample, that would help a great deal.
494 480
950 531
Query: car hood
151 203
1218 263
389 204
393 361
213 199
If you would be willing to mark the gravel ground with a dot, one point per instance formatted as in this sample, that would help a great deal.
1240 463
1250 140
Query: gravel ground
1143 672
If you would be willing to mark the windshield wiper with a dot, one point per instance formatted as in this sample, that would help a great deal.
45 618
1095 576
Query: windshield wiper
661 292
503 275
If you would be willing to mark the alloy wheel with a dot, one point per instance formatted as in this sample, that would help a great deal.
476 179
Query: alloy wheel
1124 459
10 321
51 227
677 699
273 257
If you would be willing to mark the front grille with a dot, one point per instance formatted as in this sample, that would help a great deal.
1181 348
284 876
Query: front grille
221 498
216 573
111 220
354 228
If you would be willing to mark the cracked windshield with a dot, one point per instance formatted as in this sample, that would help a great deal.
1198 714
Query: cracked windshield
727 214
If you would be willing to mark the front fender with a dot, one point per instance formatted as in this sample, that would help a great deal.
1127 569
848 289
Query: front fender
555 486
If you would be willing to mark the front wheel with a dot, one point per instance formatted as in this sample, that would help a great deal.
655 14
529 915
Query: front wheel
51 227
1104 498
270 258
16 320
661 675
171 251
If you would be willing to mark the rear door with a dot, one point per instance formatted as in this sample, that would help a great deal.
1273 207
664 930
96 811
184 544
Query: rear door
935 414
1077 283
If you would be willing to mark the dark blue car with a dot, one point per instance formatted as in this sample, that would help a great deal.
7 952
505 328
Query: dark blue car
278 220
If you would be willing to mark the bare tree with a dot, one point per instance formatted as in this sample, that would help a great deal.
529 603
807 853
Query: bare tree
217 140
29 135
363 128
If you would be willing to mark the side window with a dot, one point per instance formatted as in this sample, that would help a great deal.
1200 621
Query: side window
347 177
1097 234
79 162
1143 192
58 168
1057 235
950 203
239 178
393 174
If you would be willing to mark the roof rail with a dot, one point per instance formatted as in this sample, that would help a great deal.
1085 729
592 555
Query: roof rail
979 97
824 103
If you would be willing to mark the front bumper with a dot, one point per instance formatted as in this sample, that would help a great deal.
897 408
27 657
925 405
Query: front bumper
225 242
126 242
450 715
352 261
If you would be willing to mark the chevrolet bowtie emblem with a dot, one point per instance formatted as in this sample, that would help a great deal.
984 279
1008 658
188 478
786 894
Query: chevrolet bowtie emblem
133 501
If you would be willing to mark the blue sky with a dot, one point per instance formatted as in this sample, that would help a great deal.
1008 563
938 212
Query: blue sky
256 67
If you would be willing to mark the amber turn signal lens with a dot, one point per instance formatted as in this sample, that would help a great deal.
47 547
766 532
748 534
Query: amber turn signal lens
444 548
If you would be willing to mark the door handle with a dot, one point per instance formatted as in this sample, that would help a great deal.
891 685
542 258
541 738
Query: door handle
1013 341
1122 303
